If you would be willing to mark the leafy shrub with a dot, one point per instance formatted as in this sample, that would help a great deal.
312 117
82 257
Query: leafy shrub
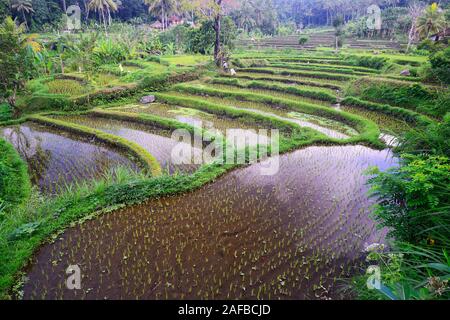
108 51
440 65
410 194
40 102
178 36
430 46
303 40
25 230
435 139
367 61
201 40
5 112
411 96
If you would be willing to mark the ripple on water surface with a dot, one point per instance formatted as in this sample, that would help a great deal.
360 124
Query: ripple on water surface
57 158
287 236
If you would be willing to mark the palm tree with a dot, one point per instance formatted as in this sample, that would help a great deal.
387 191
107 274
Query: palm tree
24 7
163 8
100 6
432 21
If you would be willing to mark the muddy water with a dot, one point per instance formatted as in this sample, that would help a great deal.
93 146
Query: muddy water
210 122
330 128
56 158
189 116
287 236
156 141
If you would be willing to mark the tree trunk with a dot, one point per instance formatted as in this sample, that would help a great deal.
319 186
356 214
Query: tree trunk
86 7
25 19
337 44
410 36
12 102
104 22
109 15
217 29
64 6
163 18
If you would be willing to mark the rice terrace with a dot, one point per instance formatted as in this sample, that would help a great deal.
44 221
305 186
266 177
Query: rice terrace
224 150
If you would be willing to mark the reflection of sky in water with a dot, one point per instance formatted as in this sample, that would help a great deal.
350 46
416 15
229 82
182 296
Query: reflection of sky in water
56 159
328 132
158 143
323 172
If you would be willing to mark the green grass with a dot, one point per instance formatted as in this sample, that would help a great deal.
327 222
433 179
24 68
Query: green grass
66 87
5 112
404 114
415 97
288 80
318 68
148 160
386 123
307 74
316 94
368 131
15 183
331 66
42 219
149 119
186 60
232 113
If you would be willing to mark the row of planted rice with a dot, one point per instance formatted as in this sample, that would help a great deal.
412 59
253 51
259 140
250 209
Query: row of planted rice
294 235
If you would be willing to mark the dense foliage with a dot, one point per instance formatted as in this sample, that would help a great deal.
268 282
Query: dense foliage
440 65
14 180
15 61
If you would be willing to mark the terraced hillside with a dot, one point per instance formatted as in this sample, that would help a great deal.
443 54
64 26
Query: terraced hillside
319 39
198 231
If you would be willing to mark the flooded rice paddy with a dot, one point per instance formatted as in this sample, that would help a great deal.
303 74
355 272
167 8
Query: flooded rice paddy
272 93
57 158
157 142
189 116
329 127
288 236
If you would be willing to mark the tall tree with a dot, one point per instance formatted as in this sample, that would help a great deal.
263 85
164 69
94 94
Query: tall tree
215 10
163 8
16 62
23 7
432 21
415 10
102 6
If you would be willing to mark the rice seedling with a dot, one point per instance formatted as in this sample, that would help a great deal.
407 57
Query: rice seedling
67 87
330 77
57 159
328 127
389 124
156 141
312 95
254 219
333 87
